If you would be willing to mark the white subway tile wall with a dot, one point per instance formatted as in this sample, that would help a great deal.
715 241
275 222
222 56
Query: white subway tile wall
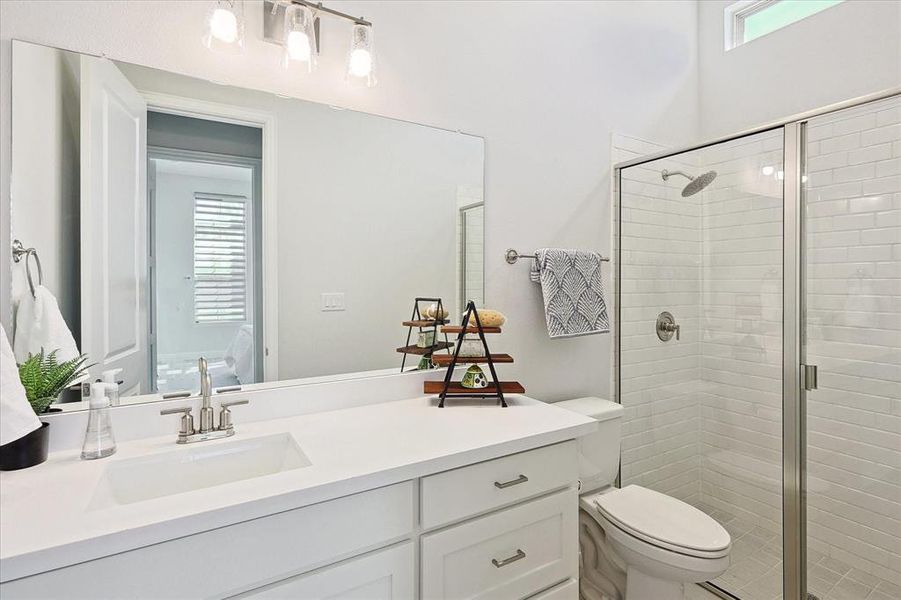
740 367
474 255
741 357
853 194
661 252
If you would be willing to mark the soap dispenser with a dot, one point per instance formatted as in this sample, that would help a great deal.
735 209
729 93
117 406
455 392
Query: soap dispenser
112 385
98 439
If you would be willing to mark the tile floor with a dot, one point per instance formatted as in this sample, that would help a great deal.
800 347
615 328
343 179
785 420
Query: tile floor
696 592
756 571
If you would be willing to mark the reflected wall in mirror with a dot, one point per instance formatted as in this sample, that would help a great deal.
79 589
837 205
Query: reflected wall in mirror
280 239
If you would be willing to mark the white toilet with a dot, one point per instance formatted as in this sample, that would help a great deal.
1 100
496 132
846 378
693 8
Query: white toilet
636 544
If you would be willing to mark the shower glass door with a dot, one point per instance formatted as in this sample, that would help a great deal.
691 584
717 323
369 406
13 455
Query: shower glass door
852 333
703 409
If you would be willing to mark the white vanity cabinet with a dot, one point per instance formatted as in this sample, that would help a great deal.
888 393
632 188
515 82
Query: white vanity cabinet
238 558
504 528
530 544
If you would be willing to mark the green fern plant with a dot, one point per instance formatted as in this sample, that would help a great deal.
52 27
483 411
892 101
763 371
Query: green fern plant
44 377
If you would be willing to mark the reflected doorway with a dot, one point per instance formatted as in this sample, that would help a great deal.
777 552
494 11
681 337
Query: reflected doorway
205 252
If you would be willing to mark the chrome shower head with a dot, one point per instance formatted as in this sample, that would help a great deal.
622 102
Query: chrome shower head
695 184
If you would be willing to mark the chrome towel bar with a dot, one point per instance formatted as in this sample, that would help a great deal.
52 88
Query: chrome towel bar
511 256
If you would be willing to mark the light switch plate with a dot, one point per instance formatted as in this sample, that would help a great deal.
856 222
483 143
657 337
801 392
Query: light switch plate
333 301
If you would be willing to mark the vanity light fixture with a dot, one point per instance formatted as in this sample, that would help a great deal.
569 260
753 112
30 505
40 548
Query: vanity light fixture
294 24
360 59
299 36
225 26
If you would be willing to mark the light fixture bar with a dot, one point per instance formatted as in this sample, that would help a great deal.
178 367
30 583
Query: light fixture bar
274 16
317 6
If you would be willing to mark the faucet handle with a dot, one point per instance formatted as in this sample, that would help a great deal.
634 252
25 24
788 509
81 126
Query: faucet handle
225 415
187 420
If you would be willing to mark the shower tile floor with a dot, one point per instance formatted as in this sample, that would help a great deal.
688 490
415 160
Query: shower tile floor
756 571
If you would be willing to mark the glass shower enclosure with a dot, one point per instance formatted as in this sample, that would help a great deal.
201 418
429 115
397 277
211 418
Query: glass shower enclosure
758 345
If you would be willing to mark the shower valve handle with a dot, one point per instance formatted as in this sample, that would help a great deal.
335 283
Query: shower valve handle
666 326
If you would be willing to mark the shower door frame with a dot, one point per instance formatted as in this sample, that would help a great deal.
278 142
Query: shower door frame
794 441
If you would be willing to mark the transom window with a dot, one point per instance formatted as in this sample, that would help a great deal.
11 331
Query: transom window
751 19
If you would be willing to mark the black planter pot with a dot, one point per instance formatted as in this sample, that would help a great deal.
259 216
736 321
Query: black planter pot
26 451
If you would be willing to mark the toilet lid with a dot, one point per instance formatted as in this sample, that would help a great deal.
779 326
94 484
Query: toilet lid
663 520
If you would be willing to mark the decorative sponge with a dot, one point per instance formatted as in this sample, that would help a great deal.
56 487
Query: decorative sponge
490 318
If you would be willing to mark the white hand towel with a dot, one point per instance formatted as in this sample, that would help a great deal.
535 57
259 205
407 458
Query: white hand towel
39 324
240 356
16 415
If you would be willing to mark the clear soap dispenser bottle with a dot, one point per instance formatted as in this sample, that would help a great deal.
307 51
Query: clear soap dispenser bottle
112 385
98 439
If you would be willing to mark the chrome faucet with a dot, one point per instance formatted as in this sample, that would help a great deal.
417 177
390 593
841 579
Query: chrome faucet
186 433
206 391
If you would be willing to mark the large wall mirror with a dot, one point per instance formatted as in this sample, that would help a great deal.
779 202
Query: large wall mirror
280 239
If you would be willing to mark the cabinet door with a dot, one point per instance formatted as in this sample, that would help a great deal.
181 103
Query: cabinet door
382 575
513 553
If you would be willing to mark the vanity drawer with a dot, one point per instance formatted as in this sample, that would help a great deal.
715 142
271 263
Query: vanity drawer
455 495
568 590
382 575
513 553
236 558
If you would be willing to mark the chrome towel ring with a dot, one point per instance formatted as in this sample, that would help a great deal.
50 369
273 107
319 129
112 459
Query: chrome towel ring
19 250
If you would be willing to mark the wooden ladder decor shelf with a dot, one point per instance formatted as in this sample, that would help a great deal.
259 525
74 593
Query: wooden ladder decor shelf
496 388
416 320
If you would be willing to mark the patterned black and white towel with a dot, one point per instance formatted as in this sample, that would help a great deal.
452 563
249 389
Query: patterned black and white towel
573 291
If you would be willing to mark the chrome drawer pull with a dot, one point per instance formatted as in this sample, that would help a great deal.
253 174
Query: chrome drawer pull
512 482
503 563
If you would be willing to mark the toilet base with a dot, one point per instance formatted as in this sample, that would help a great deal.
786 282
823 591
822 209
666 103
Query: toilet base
641 586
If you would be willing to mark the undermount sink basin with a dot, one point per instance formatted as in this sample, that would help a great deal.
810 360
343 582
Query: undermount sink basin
190 468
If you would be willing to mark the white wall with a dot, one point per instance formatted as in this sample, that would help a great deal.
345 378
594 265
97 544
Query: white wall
45 212
544 83
844 52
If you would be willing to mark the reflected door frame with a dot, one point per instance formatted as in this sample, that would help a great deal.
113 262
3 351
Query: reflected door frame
462 298
265 121
257 293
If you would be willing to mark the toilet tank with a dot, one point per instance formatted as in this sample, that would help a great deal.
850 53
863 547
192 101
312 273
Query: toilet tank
598 451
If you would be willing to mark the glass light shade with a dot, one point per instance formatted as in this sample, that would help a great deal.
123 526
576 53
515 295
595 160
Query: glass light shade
225 26
299 36
361 58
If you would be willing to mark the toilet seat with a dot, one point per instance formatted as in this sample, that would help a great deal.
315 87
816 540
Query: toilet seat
661 521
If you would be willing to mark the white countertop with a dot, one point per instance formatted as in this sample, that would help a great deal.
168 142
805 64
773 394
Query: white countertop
46 521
